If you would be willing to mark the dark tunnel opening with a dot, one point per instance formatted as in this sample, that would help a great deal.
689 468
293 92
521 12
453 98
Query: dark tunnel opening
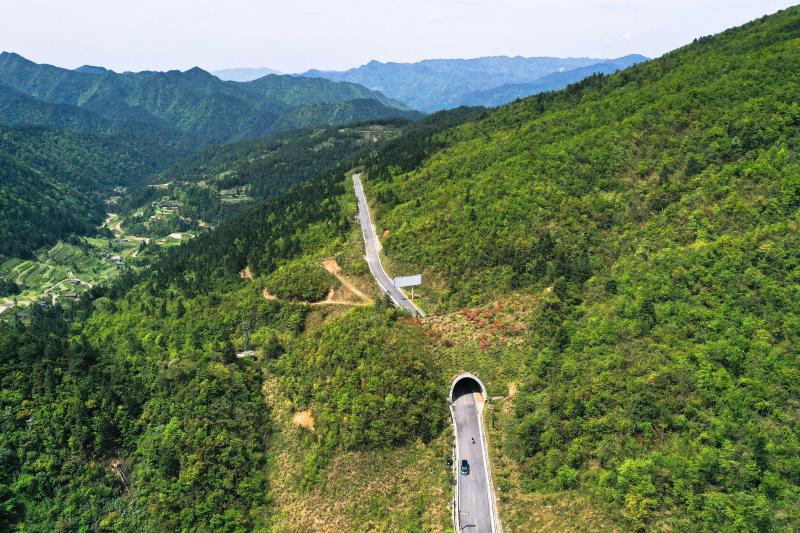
464 386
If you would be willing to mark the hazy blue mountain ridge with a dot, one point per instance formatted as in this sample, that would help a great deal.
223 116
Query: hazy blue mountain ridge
435 84
504 94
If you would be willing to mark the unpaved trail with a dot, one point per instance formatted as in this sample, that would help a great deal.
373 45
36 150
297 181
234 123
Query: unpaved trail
267 296
247 274
332 300
333 267
120 234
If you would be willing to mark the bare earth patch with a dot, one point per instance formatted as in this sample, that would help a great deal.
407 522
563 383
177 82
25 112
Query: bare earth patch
512 389
267 296
350 290
304 419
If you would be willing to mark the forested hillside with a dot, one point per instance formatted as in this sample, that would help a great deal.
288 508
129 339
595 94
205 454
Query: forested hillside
84 160
150 395
76 134
18 108
220 181
130 412
53 182
653 214
36 210
184 109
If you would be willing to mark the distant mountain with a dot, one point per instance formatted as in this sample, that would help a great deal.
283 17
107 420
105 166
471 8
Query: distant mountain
552 82
435 84
188 108
18 108
243 74
90 69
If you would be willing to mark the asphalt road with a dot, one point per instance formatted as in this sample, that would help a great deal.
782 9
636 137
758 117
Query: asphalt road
474 510
373 246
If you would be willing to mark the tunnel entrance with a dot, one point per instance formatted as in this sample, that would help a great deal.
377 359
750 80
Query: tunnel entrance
466 384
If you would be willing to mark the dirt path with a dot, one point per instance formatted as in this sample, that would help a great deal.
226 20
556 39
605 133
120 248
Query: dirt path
119 233
267 296
331 300
108 219
333 267
247 274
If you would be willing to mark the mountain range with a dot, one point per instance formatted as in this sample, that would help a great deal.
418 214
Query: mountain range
435 84
183 109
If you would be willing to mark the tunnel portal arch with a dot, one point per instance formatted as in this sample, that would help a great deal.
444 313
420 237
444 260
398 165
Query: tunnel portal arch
470 380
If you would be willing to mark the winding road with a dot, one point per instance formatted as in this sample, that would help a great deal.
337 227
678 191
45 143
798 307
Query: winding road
373 246
474 505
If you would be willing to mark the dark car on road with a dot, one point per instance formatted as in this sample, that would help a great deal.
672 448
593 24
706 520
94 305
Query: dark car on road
464 467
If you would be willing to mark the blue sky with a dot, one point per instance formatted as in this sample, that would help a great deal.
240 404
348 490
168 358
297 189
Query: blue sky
295 35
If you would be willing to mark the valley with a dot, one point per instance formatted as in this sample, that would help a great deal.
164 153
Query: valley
200 331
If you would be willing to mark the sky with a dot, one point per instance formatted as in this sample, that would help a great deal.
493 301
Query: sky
296 35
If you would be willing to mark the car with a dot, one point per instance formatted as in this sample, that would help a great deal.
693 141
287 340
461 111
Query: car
464 467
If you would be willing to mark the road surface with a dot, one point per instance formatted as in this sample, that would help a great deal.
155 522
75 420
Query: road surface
474 509
373 246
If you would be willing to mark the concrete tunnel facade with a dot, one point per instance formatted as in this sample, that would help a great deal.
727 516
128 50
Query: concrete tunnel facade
466 383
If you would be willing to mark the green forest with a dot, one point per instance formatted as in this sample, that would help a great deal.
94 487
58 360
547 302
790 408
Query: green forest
656 212
262 168
643 226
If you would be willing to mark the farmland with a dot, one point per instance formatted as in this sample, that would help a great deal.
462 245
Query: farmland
67 269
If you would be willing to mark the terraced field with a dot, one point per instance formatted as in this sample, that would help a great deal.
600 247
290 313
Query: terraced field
65 268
